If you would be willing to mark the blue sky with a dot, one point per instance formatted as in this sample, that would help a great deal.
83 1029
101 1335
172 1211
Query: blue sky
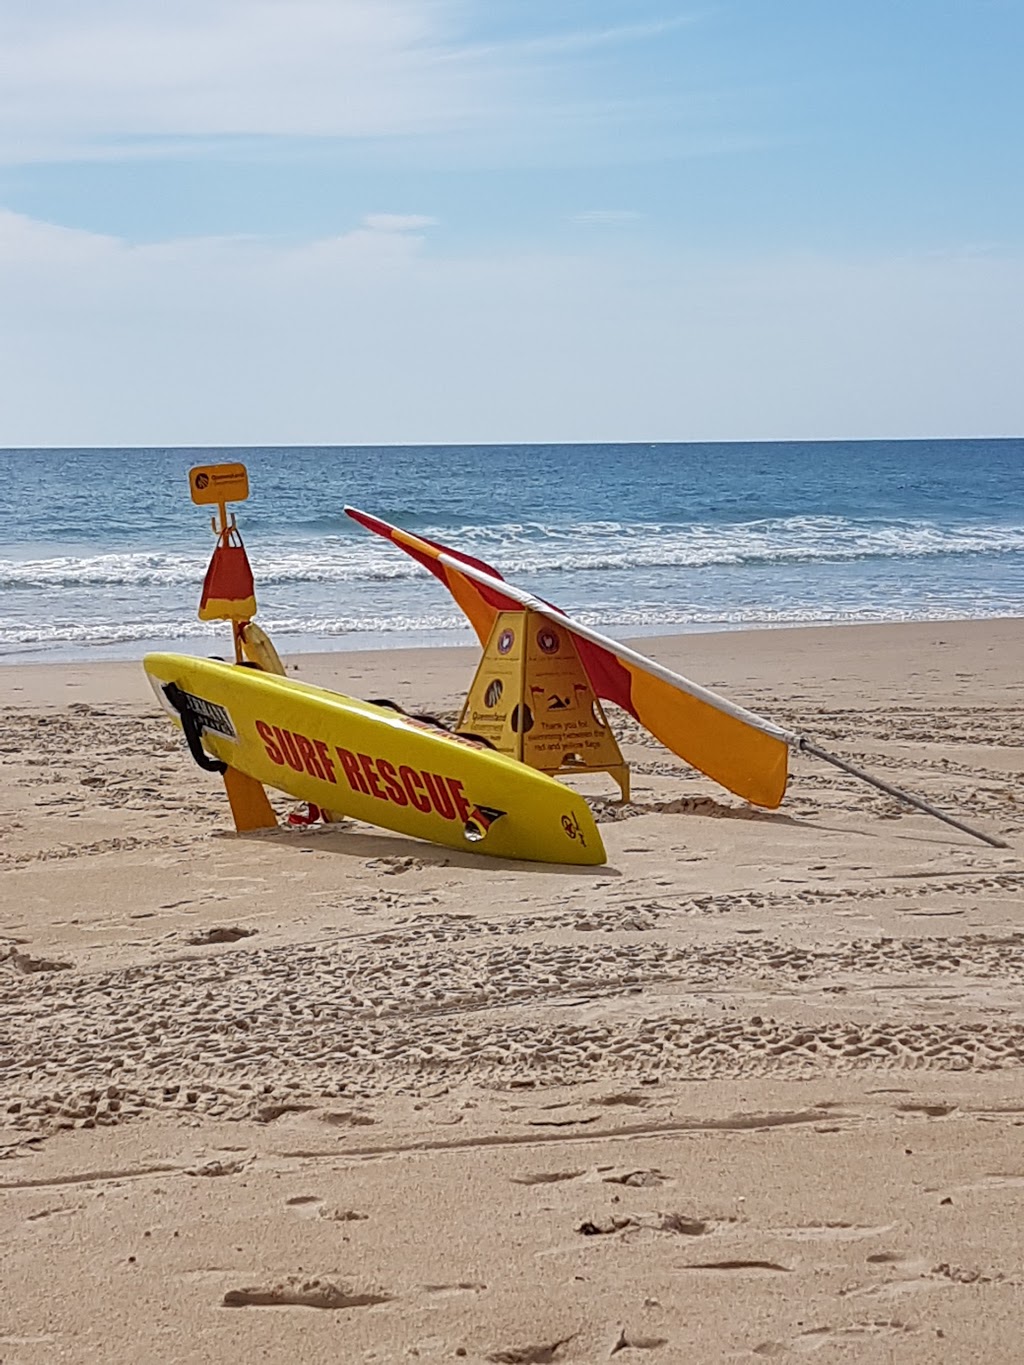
373 221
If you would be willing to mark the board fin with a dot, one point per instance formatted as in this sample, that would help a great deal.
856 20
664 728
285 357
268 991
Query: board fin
259 649
250 808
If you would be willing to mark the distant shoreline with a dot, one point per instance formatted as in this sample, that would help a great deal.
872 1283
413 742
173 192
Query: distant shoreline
393 642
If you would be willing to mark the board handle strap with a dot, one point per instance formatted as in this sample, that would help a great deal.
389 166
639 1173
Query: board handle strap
193 727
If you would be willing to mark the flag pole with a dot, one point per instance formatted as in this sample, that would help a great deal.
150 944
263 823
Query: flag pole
807 746
221 532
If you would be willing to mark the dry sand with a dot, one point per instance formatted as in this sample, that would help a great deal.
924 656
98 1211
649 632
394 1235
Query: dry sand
752 1091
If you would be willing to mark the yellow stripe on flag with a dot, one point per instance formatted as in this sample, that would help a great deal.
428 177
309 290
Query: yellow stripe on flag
742 758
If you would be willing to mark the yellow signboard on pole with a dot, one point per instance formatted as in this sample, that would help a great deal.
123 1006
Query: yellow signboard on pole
213 484
532 699
229 593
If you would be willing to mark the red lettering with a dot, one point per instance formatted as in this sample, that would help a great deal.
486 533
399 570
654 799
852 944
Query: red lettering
439 795
461 804
372 777
308 755
395 789
413 784
326 762
286 743
267 735
350 765
377 777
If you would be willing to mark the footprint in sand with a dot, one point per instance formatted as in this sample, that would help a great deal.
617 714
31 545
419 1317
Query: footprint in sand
220 933
296 1292
546 1354
545 1177
832 1232
270 1113
394 866
816 1338
625 1098
312 1206
684 1225
306 1205
606 1227
217 1167
913 1276
52 1213
627 1342
933 1111
462 1287
27 964
347 1118
638 1179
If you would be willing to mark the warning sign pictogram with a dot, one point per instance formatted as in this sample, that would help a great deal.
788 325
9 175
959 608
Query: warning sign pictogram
532 699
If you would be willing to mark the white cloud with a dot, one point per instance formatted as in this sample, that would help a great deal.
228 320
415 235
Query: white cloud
609 216
124 79
398 222
73 74
370 336
582 40
25 241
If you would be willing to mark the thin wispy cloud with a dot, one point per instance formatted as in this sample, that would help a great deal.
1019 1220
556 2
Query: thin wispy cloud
72 76
607 216
110 80
398 222
26 242
577 40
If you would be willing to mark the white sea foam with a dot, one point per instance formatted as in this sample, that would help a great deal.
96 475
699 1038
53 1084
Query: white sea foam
394 631
538 548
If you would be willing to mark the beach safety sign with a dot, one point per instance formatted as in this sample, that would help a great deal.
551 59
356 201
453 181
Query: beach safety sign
532 699
211 484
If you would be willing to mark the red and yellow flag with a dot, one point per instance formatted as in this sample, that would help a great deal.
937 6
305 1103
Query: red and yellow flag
229 592
480 603
744 752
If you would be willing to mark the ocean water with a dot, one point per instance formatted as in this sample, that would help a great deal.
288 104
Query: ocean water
102 553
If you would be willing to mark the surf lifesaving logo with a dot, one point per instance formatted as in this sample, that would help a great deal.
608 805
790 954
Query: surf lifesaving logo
571 828
402 785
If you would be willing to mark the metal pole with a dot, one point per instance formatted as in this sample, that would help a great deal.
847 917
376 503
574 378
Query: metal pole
806 746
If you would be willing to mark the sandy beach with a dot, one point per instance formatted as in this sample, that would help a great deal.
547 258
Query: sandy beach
752 1091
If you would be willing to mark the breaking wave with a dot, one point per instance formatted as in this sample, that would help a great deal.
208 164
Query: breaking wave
398 630
538 548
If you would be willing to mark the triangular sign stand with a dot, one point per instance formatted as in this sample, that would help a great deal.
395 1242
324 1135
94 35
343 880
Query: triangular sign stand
532 699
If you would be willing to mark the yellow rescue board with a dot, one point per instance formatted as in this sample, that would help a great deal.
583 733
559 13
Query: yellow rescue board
369 762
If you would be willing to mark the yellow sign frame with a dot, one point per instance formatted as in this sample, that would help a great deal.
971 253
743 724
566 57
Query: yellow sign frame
532 699
212 485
